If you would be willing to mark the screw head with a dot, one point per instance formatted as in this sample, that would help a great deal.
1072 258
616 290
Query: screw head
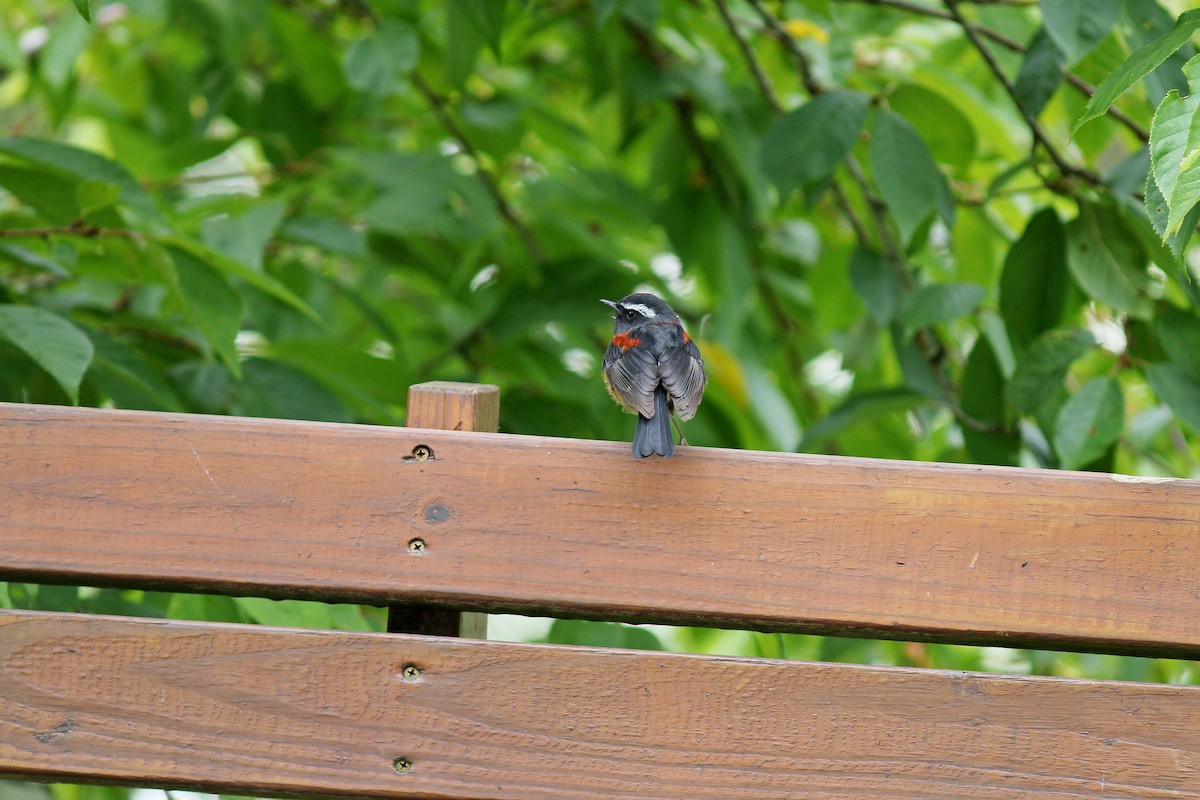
417 546
402 765
422 452
411 672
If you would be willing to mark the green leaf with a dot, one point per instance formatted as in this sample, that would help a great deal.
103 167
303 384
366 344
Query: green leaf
904 171
285 613
918 374
1175 149
59 60
207 607
1159 214
1179 333
35 260
48 193
486 17
991 325
464 40
272 389
84 7
1147 20
85 165
212 305
244 237
982 399
877 283
123 375
771 406
1179 389
1035 282
259 280
1089 423
1040 75
421 206
57 598
1041 370
859 408
939 302
602 634
808 144
95 195
1107 260
375 63
1077 27
1138 65
943 126
329 234
206 386
309 54
56 345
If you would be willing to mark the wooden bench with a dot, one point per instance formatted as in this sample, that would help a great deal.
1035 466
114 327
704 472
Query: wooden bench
435 523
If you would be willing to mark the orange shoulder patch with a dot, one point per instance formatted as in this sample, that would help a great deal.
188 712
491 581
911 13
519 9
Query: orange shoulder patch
625 341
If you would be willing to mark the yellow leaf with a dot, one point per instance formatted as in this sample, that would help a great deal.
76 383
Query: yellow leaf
725 371
805 29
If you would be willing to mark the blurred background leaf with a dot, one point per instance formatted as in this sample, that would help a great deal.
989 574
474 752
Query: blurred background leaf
298 210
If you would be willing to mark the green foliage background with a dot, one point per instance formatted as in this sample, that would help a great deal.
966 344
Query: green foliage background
897 229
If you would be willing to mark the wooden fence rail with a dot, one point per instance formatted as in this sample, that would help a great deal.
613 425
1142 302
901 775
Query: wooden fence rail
566 527
422 519
242 708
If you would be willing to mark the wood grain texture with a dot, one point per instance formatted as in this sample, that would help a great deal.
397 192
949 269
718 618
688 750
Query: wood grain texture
451 407
554 526
251 710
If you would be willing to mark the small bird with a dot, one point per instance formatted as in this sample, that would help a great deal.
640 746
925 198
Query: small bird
652 368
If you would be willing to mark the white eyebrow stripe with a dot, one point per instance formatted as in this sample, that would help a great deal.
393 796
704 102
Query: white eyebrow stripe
645 311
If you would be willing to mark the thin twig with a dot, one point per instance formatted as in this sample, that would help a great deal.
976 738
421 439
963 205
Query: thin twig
728 196
842 201
1086 89
1007 42
363 10
760 76
932 349
878 210
1039 136
85 231
937 13
789 44
439 106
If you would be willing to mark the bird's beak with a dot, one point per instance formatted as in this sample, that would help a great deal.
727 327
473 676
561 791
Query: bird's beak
609 303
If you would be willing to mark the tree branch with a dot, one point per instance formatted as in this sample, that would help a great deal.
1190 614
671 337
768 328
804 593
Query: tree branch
74 229
728 197
931 347
1077 83
1039 136
789 43
760 76
438 104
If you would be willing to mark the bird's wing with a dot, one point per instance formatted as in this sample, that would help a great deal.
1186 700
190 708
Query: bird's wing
632 377
682 373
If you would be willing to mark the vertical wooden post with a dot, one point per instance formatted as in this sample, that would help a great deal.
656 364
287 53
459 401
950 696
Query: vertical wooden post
455 407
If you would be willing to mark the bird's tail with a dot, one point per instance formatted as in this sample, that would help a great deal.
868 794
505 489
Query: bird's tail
654 435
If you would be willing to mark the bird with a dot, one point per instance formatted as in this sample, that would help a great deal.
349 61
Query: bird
652 368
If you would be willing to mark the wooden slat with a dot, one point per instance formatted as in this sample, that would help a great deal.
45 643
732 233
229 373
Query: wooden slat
252 710
447 406
744 539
